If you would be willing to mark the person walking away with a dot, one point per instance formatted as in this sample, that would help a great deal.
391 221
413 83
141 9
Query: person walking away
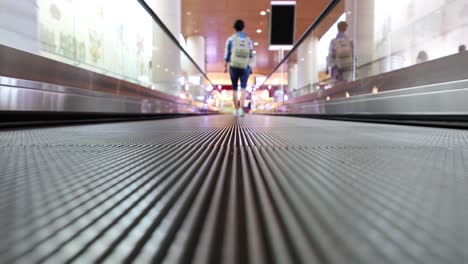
238 54
461 48
422 57
340 56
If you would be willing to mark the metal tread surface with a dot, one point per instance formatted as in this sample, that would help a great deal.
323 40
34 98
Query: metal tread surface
220 189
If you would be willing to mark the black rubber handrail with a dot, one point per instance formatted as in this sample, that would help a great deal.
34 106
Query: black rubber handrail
306 34
166 30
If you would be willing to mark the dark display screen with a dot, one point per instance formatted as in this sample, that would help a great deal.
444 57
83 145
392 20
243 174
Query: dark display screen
282 24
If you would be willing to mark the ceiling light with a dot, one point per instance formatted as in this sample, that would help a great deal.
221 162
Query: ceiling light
262 13
255 43
259 31
254 52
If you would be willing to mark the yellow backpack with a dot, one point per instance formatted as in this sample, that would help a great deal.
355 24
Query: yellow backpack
240 55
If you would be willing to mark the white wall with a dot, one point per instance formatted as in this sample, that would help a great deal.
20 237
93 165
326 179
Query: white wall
19 27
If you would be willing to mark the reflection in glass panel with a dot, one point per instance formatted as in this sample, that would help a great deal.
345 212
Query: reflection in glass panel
385 36
120 40
423 31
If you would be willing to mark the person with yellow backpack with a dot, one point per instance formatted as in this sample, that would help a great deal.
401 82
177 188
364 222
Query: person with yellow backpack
238 54
340 58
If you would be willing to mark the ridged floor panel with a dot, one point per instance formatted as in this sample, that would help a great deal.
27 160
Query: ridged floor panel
220 189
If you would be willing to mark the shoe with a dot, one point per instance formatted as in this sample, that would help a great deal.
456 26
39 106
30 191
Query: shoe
241 112
235 112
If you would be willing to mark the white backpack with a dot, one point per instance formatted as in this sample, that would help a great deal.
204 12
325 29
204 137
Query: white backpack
343 47
240 56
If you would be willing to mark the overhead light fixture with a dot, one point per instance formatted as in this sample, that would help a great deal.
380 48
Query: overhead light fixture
255 43
280 47
254 52
259 31
262 13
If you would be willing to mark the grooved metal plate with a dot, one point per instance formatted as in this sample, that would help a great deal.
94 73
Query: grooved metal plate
220 189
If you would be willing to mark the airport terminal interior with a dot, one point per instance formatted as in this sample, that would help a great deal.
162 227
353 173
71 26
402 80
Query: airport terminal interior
122 139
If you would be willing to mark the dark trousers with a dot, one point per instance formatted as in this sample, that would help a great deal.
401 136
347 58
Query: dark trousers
236 74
